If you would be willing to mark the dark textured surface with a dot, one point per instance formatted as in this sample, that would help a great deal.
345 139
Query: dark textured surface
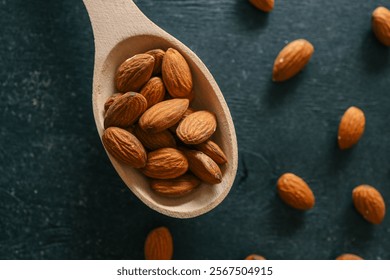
60 198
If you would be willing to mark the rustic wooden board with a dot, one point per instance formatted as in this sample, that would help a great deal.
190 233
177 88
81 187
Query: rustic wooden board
60 198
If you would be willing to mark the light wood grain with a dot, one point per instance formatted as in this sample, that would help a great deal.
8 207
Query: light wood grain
120 31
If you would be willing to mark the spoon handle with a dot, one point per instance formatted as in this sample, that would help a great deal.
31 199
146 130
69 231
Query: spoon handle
115 20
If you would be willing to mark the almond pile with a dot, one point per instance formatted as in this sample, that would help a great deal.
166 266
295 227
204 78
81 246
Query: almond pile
150 125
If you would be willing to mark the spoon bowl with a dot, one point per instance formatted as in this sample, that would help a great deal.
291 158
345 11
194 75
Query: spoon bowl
121 31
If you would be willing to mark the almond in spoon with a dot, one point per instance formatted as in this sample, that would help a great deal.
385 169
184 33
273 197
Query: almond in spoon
124 147
134 72
203 167
197 127
125 110
176 74
163 115
165 163
175 187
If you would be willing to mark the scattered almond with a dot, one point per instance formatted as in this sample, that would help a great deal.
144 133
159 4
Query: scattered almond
211 149
176 74
254 257
175 187
292 59
203 167
125 110
163 115
369 203
165 163
263 5
294 191
153 91
124 147
158 55
155 141
197 127
159 245
351 127
381 25
134 72
349 257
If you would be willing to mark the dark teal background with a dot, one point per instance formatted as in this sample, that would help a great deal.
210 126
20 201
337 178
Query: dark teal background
60 198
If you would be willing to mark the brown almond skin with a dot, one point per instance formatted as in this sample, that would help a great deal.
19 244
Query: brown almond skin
203 167
134 72
153 91
197 127
186 113
294 191
176 74
111 100
163 115
159 244
165 163
177 187
348 257
124 147
125 110
253 257
158 55
369 203
155 141
292 59
211 149
263 5
380 23
351 128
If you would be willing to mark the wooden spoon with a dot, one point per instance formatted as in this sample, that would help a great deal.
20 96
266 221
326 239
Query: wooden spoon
121 30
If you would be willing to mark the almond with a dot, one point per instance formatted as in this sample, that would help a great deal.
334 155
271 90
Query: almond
254 257
155 141
351 127
111 100
134 72
369 203
349 257
158 55
153 91
159 245
125 110
175 187
294 191
263 5
176 74
291 59
211 149
381 25
165 163
203 167
124 147
186 113
197 127
163 115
